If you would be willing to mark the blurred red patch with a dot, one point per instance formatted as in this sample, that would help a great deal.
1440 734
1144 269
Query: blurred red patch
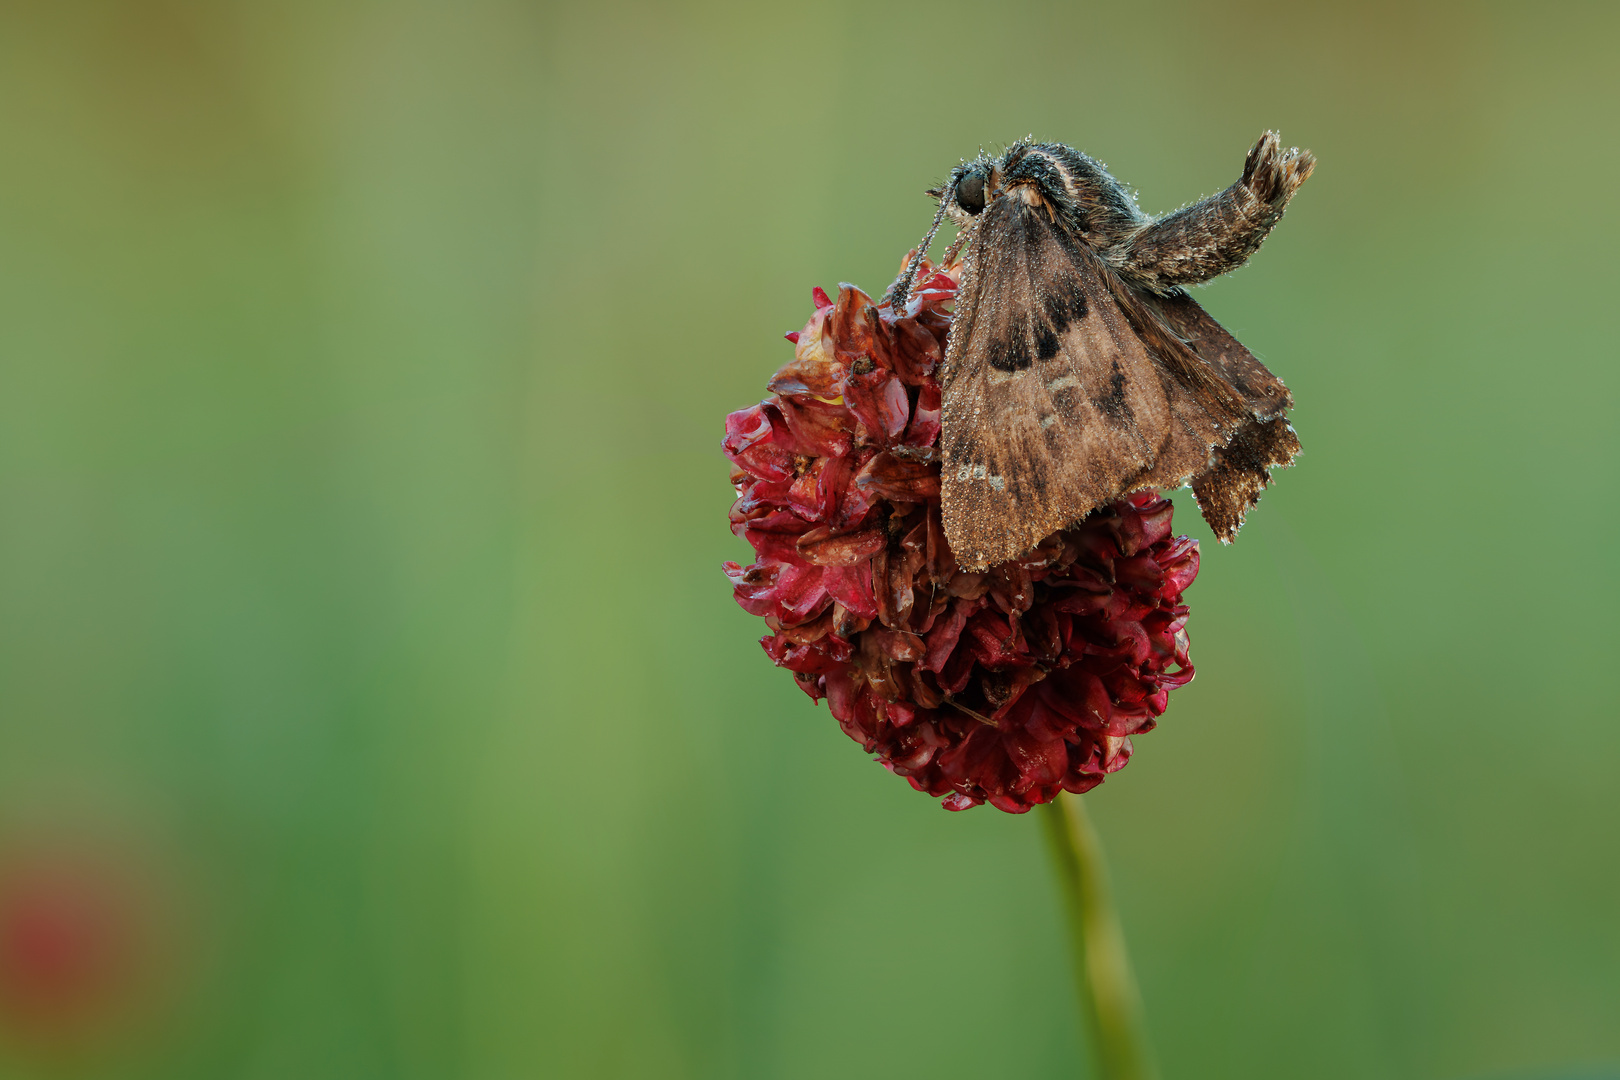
72 933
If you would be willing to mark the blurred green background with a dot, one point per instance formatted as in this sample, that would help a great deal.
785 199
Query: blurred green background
368 678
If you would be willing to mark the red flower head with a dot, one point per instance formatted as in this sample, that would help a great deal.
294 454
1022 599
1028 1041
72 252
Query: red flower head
1002 687
77 928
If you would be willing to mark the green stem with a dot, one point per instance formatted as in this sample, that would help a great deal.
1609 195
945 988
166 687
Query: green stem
1109 1004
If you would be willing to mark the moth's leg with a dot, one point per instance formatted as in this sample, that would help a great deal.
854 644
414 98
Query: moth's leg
1219 233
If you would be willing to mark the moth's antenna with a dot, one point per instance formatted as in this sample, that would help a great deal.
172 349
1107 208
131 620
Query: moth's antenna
957 245
902 288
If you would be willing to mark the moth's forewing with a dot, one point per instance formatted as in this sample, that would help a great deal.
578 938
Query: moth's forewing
1052 404
1065 388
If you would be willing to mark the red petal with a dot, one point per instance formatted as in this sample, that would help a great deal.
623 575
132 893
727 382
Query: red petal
800 596
815 428
1038 761
1156 517
776 536
1009 805
814 368
1180 567
804 494
946 633
953 677
880 402
1139 572
916 353
888 476
852 587
1077 695
812 377
754 586
897 645
857 329
824 548
974 759
749 443
993 642
758 498
924 427
835 478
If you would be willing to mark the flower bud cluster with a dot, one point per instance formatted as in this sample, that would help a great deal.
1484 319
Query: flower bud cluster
1004 687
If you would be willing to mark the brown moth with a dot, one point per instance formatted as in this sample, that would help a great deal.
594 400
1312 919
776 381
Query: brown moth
1077 369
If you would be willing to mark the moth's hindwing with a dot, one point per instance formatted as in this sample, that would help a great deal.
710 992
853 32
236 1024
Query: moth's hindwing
1240 468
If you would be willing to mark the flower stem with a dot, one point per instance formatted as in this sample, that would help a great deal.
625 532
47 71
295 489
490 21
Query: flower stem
1109 1004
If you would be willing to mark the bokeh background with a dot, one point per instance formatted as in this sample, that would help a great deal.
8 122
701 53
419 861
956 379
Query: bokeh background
371 700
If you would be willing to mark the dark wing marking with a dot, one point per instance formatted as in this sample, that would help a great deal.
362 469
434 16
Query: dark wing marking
1065 389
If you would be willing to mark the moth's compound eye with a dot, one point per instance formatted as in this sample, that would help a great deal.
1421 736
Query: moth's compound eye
970 192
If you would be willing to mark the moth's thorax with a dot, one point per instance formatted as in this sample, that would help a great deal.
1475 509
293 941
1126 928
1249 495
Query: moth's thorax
1030 194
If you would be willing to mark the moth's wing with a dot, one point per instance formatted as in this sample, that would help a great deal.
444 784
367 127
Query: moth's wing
1053 404
1065 388
1264 394
1239 468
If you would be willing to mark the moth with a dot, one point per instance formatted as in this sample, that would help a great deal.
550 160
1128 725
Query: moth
1077 369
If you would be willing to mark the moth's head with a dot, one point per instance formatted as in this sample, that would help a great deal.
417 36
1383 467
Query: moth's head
973 186
1031 173
1046 177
